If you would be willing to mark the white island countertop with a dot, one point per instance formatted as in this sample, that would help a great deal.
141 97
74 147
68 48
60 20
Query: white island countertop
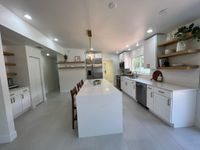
99 109
162 85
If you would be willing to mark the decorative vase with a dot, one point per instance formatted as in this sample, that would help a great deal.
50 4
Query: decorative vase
180 46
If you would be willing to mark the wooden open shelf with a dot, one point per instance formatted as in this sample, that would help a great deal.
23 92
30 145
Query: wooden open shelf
10 74
6 53
180 53
170 42
10 64
186 67
71 62
75 67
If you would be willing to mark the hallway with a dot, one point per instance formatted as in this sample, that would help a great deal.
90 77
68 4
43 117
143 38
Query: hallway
48 127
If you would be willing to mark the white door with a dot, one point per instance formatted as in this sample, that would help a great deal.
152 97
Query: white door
36 81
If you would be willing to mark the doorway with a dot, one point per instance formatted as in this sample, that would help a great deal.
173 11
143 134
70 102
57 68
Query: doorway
36 81
108 70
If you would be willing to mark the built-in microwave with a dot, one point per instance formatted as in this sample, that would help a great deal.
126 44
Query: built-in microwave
121 65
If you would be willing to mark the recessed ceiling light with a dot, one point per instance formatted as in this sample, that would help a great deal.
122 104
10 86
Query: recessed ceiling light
150 30
91 49
55 39
117 52
127 45
48 54
137 44
27 16
129 49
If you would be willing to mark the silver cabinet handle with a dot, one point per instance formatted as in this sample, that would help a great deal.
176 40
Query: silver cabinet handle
22 95
149 88
169 102
161 92
13 99
151 94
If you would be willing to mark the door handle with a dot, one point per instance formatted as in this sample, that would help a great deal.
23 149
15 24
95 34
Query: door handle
151 94
169 102
161 92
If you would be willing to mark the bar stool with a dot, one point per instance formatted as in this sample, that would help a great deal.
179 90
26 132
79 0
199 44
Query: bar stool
78 86
74 109
82 82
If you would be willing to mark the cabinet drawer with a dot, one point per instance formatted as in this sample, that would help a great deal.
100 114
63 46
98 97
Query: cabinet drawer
163 92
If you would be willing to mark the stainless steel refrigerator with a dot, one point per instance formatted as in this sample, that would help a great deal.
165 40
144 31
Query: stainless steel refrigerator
94 65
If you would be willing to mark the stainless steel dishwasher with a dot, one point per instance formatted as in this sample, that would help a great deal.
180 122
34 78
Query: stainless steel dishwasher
141 93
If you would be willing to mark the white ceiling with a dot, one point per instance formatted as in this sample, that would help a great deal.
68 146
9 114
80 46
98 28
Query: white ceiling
112 28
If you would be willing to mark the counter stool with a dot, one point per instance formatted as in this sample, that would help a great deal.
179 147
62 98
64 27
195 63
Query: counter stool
74 109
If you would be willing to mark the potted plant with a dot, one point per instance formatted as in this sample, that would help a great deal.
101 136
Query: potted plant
185 32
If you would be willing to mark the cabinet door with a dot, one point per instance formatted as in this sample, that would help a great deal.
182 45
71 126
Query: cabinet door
126 60
122 84
162 107
133 89
150 50
26 100
150 98
16 105
126 88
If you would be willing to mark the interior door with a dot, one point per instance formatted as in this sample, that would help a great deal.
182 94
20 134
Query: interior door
36 81
108 70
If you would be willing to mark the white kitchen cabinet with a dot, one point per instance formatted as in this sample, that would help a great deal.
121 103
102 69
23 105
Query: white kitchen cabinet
20 100
16 104
26 100
150 98
132 91
125 57
121 57
128 86
127 60
150 51
162 107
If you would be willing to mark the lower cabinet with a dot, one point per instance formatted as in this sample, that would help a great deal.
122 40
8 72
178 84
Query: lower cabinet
128 86
150 98
177 108
20 100
162 107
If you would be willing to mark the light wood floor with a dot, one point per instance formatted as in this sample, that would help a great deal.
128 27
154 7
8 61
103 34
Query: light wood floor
48 127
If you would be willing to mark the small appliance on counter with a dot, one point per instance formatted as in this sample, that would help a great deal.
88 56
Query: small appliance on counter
157 76
163 62
11 84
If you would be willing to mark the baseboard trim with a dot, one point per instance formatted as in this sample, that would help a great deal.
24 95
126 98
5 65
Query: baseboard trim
8 138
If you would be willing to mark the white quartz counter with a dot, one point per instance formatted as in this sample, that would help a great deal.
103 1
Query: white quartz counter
99 109
162 85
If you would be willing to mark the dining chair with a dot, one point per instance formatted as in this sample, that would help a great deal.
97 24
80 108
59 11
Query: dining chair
74 109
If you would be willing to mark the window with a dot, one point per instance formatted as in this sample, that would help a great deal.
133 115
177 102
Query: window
138 65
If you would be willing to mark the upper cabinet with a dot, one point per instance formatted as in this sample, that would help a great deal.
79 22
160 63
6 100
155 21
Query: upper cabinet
150 51
125 57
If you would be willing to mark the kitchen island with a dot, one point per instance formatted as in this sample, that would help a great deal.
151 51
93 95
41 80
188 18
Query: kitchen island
99 109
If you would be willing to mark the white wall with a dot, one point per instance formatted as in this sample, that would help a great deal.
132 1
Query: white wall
7 128
50 74
68 78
